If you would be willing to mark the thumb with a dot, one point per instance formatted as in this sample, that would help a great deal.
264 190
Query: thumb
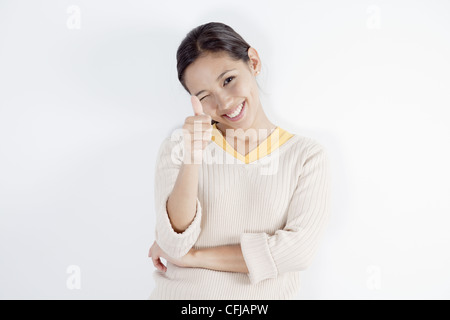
196 105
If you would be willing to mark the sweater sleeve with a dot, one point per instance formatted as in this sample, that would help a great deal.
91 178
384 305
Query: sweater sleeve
168 164
293 247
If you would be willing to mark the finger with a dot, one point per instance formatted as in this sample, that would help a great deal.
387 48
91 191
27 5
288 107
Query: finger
159 265
196 105
150 252
155 261
207 135
205 119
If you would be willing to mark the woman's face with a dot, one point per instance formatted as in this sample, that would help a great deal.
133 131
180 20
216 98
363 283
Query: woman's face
223 84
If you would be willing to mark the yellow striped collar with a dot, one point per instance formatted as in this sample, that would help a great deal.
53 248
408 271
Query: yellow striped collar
275 140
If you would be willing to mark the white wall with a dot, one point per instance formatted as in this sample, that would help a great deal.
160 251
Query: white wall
84 108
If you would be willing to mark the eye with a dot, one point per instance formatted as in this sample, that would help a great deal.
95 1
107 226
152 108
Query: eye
228 79
225 83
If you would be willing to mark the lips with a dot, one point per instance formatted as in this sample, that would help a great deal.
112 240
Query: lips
237 117
234 110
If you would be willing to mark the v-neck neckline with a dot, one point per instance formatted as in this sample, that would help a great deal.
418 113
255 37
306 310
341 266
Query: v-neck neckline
273 141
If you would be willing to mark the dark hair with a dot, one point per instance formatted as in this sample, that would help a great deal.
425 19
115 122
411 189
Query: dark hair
212 37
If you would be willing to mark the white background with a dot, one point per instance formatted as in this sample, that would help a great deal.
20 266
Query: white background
83 112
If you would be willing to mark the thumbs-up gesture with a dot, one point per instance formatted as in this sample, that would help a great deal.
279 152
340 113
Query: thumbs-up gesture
197 131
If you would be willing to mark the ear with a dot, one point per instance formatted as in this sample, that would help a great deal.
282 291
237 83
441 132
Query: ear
255 62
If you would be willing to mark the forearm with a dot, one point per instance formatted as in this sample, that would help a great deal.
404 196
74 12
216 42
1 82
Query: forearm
222 258
182 202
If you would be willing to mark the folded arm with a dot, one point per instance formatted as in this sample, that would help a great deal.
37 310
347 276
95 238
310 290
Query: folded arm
222 258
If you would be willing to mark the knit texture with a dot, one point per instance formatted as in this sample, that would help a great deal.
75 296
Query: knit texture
274 202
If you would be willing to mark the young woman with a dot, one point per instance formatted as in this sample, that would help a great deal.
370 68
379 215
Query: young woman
240 212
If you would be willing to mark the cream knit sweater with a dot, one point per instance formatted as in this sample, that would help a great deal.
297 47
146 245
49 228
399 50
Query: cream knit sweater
274 202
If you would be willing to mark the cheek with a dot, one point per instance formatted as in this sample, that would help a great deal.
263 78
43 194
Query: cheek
207 109
241 90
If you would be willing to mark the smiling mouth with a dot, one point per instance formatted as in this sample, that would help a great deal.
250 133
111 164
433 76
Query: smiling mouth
236 112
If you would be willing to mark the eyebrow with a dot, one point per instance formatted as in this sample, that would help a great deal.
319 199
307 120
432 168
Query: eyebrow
218 78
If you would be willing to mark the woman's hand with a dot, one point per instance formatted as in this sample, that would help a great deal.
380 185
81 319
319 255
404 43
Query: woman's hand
197 131
156 253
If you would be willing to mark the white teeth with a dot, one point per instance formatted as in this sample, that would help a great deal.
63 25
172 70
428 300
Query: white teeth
236 113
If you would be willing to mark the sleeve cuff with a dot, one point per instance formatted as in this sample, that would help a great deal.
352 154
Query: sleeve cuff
257 256
176 244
